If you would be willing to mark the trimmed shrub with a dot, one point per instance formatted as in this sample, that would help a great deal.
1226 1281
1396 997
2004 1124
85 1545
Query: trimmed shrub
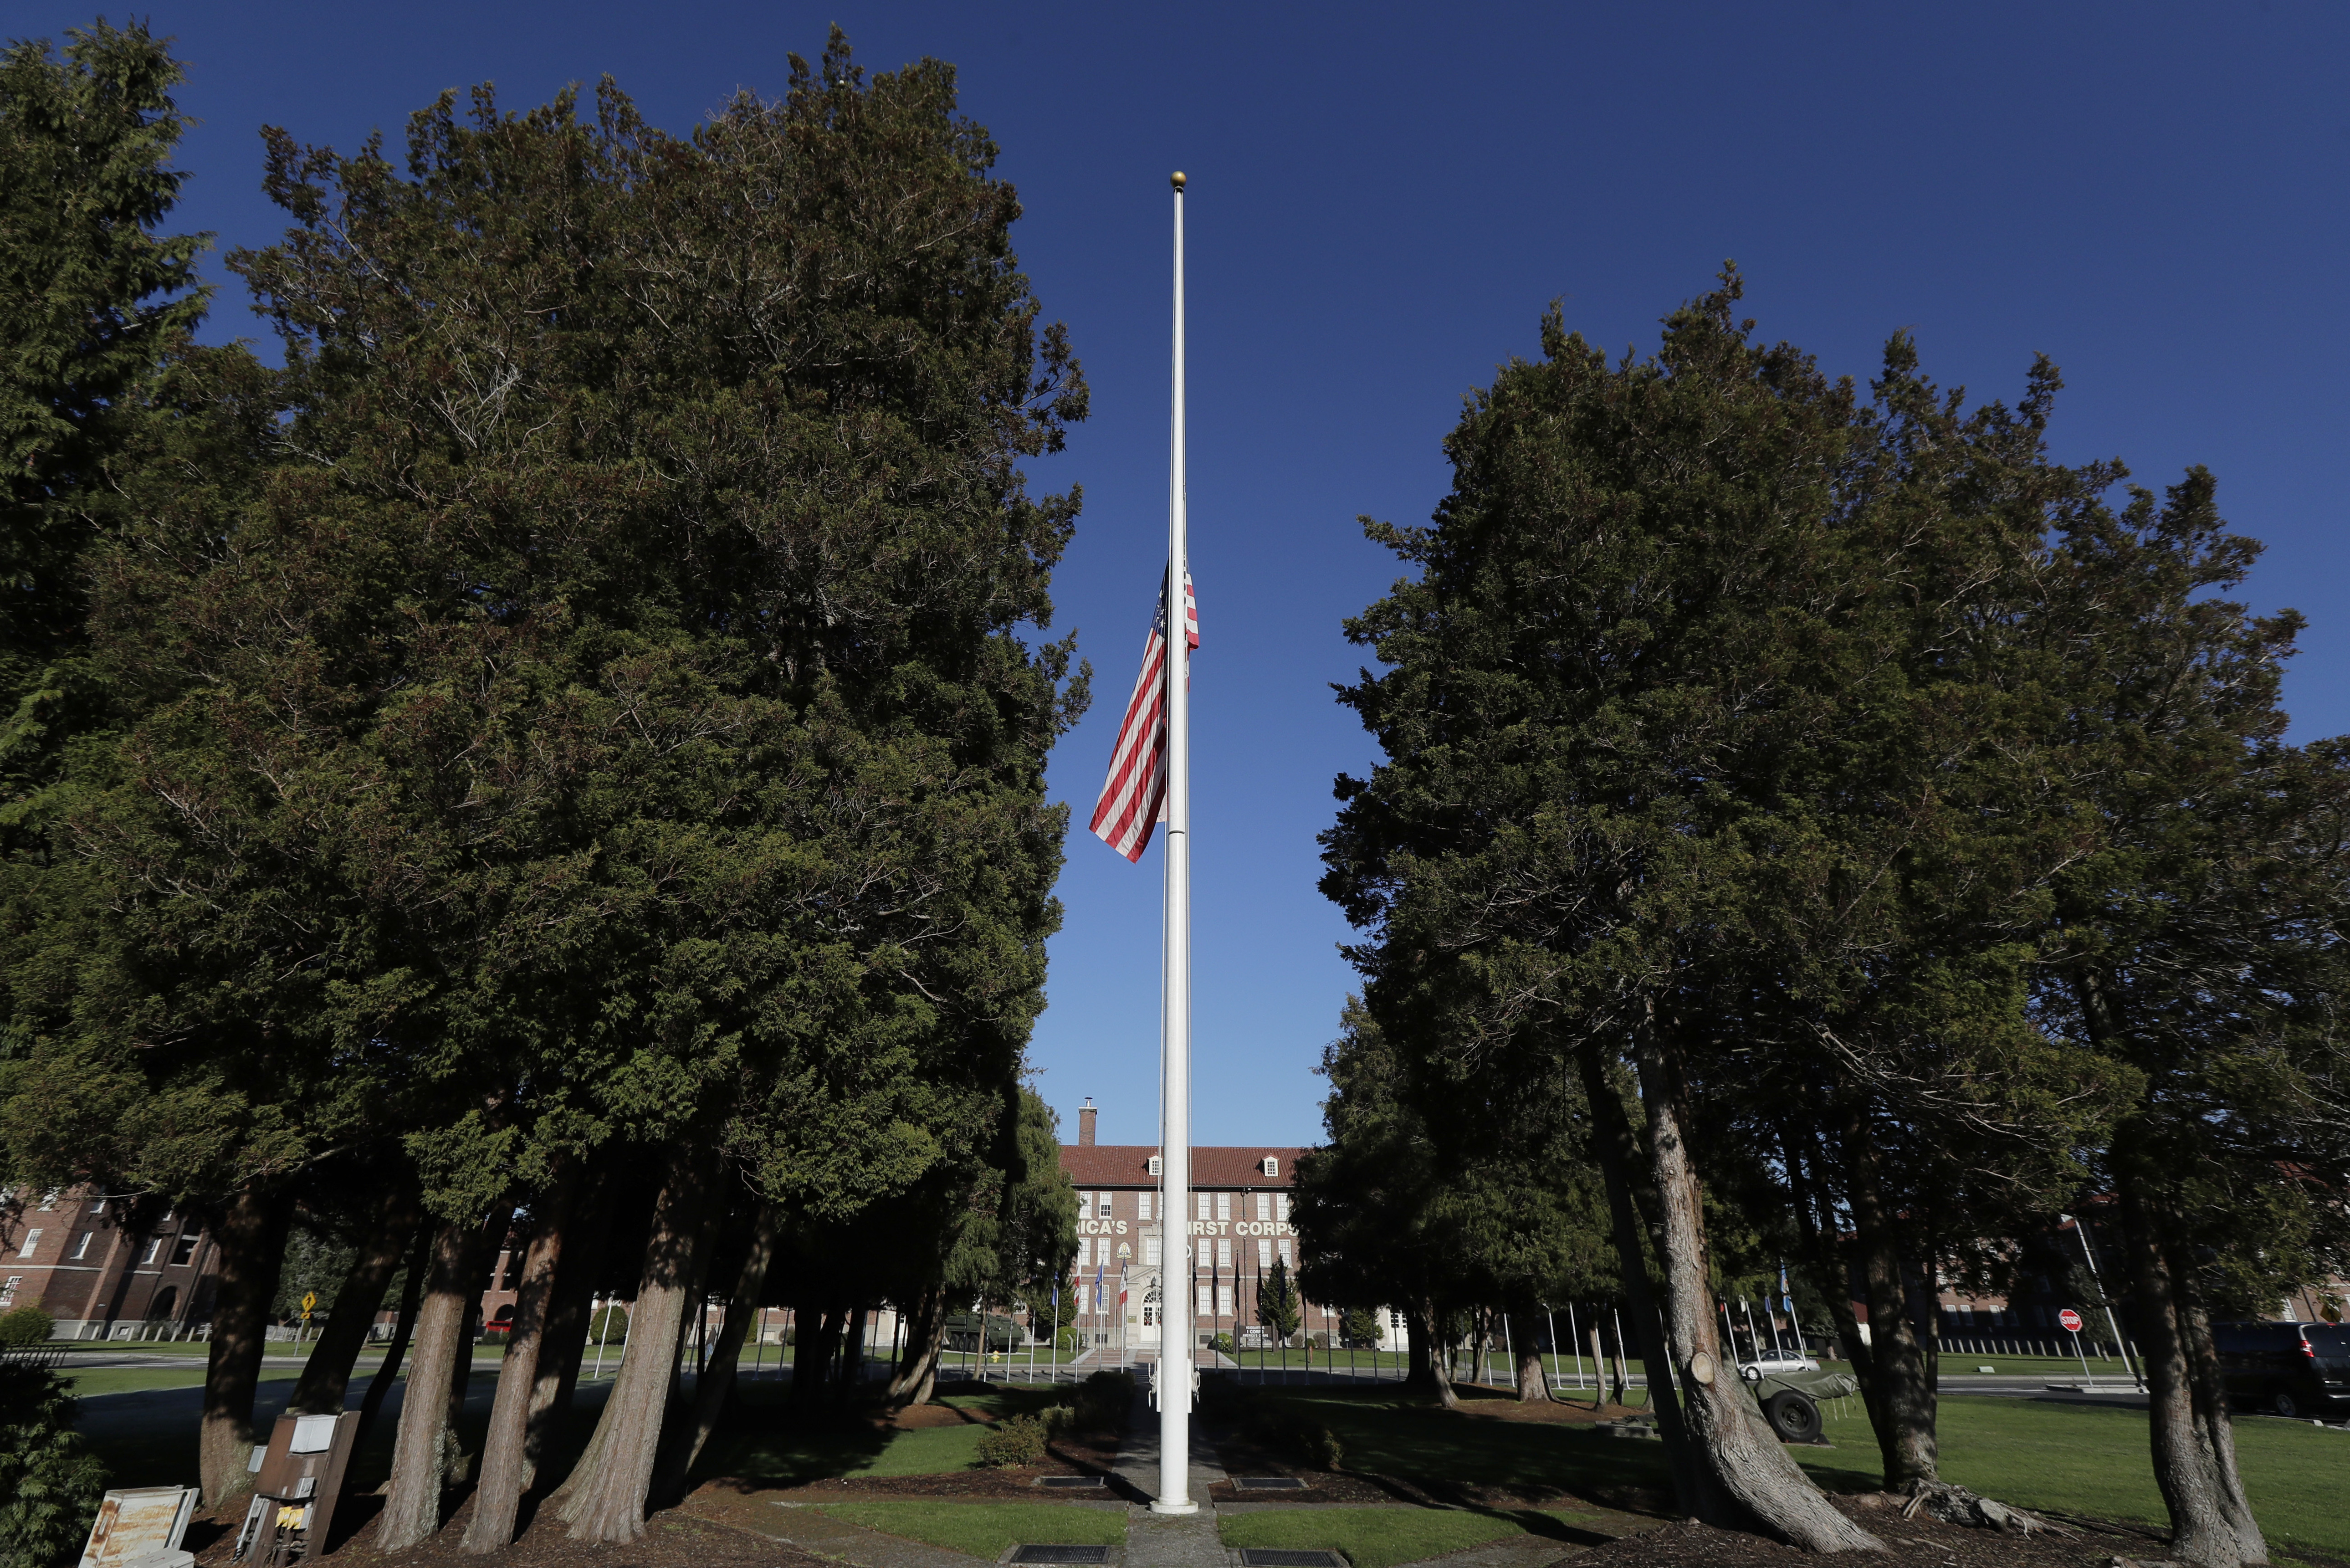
608 1328
1099 1404
49 1489
26 1326
1222 1344
1019 1441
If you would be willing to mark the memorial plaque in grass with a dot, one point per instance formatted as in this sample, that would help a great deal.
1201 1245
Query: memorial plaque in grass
1040 1552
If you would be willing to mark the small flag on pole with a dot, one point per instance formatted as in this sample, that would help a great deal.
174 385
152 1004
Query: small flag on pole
1134 796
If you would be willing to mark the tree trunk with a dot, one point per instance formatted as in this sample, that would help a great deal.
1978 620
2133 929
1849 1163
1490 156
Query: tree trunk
852 1353
610 1505
1533 1387
250 1242
2211 1415
326 1376
488 1243
1900 1391
1817 1222
1440 1360
1619 1159
2185 1466
813 1355
411 1508
504 1462
1600 1370
718 1374
1751 1476
1419 1351
420 1258
918 1363
569 1318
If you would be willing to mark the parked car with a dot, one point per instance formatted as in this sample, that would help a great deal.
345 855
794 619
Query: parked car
2286 1369
963 1331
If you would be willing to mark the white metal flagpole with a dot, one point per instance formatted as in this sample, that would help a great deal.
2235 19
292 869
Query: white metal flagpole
1175 1350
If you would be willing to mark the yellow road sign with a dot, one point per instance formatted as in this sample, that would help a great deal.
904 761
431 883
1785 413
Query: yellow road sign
309 1300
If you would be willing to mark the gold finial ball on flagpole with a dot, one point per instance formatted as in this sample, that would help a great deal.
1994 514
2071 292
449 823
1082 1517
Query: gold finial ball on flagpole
1176 179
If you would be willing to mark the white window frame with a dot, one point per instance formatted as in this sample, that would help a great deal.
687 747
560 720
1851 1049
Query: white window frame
1223 1205
1151 1251
1142 1205
1204 1212
1271 1166
154 1251
32 1239
1280 1207
81 1245
188 1240
1263 1207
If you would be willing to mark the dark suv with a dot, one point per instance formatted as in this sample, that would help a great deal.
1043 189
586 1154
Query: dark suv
2290 1368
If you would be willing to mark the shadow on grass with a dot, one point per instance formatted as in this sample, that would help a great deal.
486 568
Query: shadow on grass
1420 1452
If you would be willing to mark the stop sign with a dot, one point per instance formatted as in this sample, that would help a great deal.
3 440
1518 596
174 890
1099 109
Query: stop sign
2071 1320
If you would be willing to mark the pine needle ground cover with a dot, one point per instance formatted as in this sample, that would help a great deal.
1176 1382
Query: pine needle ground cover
1383 1537
986 1530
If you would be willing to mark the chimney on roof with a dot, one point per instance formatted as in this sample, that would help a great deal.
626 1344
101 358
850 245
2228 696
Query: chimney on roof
1086 1115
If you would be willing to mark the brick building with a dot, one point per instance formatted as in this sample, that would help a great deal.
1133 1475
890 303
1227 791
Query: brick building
104 1268
1240 1218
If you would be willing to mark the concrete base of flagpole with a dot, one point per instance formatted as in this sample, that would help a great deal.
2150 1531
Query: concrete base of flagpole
1158 1507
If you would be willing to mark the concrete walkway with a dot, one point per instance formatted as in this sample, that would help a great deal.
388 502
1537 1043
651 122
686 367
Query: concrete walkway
1164 1540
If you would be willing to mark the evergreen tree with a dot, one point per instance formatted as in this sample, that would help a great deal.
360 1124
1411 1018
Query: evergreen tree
2198 950
1278 1304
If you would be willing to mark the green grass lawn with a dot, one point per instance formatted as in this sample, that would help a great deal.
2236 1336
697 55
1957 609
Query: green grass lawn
2078 1459
753 1445
1383 1537
2065 1368
2092 1460
986 1530
139 1380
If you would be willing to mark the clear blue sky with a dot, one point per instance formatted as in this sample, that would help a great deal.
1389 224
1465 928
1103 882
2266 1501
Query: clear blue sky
1383 199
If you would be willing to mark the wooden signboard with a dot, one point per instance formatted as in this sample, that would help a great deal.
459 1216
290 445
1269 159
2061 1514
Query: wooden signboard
141 1525
301 1480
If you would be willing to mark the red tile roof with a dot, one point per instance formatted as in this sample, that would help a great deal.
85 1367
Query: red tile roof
1128 1165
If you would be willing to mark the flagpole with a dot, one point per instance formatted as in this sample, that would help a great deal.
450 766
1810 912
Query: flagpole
1175 1022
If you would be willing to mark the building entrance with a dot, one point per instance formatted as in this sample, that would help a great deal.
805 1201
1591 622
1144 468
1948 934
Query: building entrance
1143 1314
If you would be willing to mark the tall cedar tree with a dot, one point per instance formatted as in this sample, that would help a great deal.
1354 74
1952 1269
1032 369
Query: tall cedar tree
1899 868
1445 1196
608 716
2200 949
108 411
1629 616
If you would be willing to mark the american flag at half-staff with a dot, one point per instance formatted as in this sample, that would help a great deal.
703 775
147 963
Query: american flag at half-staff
1134 796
